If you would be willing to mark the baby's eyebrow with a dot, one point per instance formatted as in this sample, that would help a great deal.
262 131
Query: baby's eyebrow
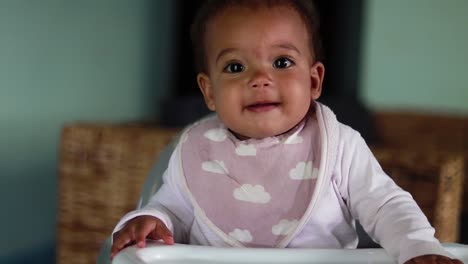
224 52
289 46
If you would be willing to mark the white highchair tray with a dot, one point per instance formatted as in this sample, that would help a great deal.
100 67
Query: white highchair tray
156 253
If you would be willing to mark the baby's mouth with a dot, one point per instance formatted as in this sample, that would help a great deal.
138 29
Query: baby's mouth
262 106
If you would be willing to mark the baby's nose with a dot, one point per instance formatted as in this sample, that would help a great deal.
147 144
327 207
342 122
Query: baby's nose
260 79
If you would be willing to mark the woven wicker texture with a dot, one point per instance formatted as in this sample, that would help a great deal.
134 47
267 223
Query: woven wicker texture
102 169
101 172
425 132
434 179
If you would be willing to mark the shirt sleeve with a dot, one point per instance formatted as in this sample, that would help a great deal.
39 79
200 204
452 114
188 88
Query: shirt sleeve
387 213
170 204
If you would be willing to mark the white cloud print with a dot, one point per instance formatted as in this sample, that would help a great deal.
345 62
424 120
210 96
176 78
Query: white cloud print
303 171
284 227
246 150
216 134
294 139
241 235
214 166
253 194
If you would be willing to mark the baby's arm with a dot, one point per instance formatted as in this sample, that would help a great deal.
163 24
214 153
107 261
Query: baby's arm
168 209
433 259
389 214
137 230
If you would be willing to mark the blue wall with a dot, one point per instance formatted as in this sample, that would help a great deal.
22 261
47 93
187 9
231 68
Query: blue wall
415 56
61 62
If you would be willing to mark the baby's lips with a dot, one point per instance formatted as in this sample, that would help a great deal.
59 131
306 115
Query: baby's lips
262 107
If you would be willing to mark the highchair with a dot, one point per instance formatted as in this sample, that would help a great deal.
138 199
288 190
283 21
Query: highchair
102 169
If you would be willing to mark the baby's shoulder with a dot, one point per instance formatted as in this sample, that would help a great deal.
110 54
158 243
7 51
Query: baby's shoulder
349 137
348 132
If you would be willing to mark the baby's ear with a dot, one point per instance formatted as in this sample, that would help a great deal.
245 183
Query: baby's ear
317 73
204 83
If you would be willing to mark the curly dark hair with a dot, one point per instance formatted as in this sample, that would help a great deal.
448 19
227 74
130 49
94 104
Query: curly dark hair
211 8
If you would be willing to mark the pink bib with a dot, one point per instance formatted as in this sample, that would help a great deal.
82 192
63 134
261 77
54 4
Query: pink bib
255 191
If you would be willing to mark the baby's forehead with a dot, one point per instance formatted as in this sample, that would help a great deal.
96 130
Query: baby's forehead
242 18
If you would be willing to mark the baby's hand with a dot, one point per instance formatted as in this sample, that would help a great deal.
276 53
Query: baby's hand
433 259
137 230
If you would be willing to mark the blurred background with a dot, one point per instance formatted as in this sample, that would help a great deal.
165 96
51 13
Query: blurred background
130 60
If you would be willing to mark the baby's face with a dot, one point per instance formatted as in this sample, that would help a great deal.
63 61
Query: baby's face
261 78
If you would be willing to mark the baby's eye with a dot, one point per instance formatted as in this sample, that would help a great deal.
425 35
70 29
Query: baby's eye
234 68
283 63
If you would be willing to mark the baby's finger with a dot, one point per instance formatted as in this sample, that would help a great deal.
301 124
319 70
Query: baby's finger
142 231
162 232
443 259
120 240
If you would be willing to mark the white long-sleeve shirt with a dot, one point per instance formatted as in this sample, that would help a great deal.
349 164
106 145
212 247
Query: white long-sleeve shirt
351 186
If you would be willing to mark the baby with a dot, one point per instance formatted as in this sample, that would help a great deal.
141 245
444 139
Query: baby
273 167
